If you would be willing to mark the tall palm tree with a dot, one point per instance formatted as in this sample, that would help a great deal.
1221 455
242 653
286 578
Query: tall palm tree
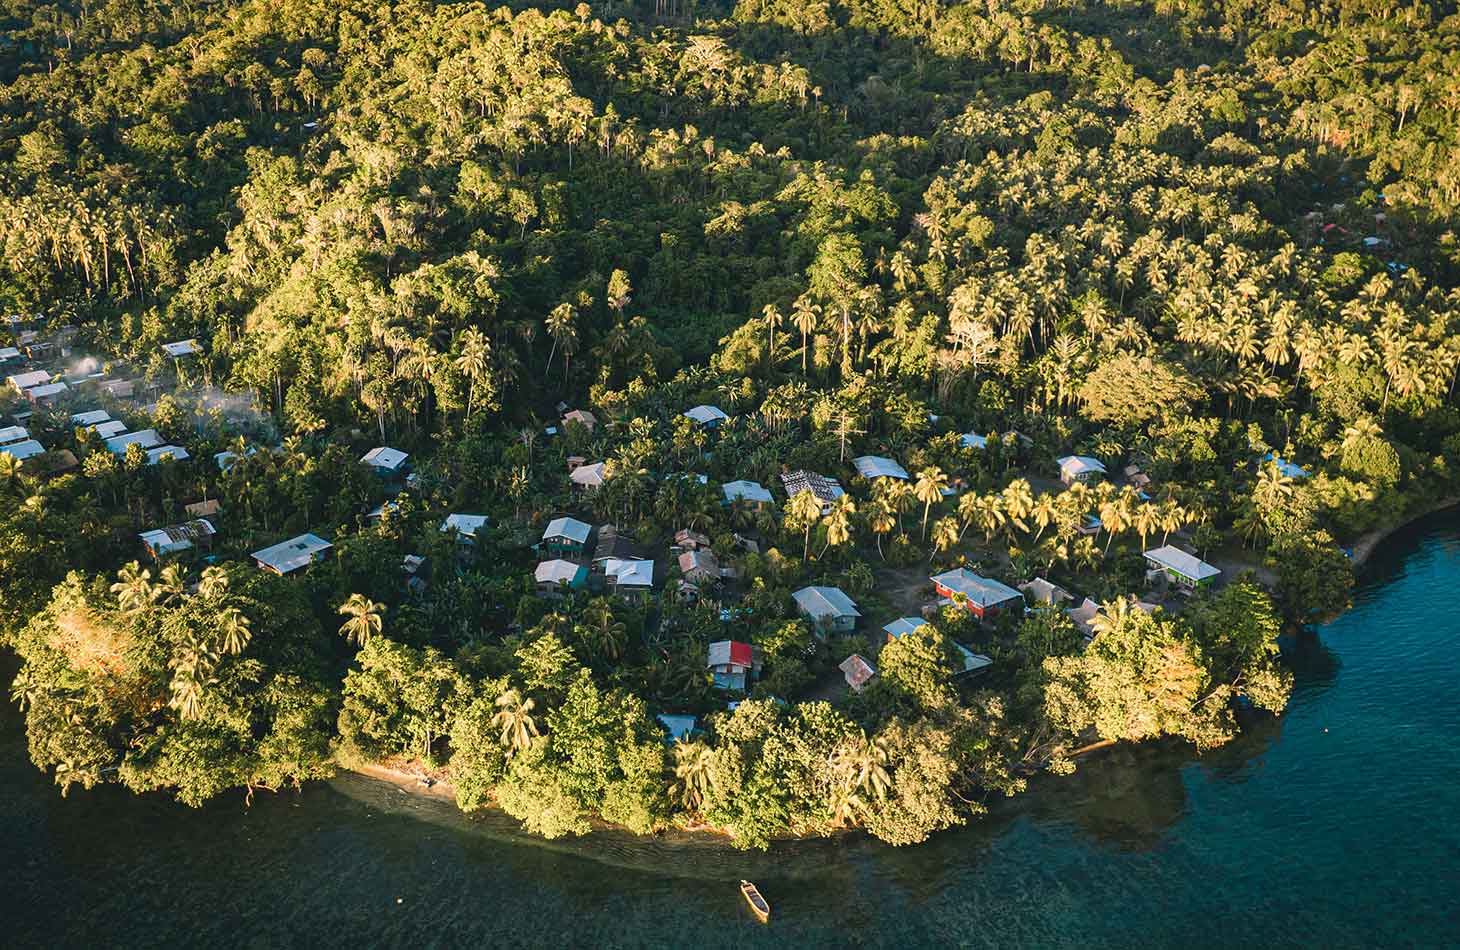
805 317
861 762
1272 488
694 776
364 618
1146 520
990 513
1115 516
214 582
802 512
773 318
929 490
838 522
945 534
1043 512
514 719
234 631
134 588
472 361
882 522
1018 501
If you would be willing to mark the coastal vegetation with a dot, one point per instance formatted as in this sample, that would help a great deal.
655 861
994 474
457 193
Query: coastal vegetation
1210 246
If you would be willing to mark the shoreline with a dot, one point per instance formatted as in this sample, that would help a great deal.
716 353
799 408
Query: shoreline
1367 543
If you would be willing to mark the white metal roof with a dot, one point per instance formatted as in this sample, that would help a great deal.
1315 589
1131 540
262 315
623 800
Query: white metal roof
823 602
177 537
23 450
109 428
589 475
972 661
972 440
13 434
1187 565
291 555
982 591
157 454
748 490
1044 591
9 353
464 525
23 381
385 457
628 572
903 626
826 489
90 418
1081 465
679 727
49 389
876 466
570 528
182 348
557 571
147 438
705 415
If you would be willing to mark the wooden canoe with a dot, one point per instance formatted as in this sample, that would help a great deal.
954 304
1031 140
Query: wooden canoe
757 903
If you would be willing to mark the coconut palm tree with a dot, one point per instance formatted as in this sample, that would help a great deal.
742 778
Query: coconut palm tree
989 510
945 534
234 631
214 583
773 319
1043 512
364 618
861 763
1018 499
1115 516
802 512
929 490
882 521
1146 520
514 719
694 776
473 361
805 317
1273 488
134 588
838 522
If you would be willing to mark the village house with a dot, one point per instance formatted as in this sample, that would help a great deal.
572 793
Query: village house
1084 615
751 493
686 539
47 395
1187 570
872 467
1136 477
146 439
162 542
708 416
465 526
386 461
826 490
1286 468
981 596
10 434
165 453
52 464
580 417
679 727
611 544
564 536
1080 468
89 419
629 579
21 382
109 429
203 509
731 662
9 354
295 554
857 672
182 349
1041 591
556 576
828 609
969 662
20 451
700 567
588 476
972 440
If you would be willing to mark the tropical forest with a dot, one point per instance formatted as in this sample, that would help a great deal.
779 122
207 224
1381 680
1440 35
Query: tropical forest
749 418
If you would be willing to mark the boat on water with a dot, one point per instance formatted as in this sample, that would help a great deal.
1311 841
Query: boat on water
757 903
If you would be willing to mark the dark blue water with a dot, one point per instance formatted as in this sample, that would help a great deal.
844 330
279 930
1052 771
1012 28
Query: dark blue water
1337 826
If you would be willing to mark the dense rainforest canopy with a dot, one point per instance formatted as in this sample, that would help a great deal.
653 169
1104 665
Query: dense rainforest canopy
1184 235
